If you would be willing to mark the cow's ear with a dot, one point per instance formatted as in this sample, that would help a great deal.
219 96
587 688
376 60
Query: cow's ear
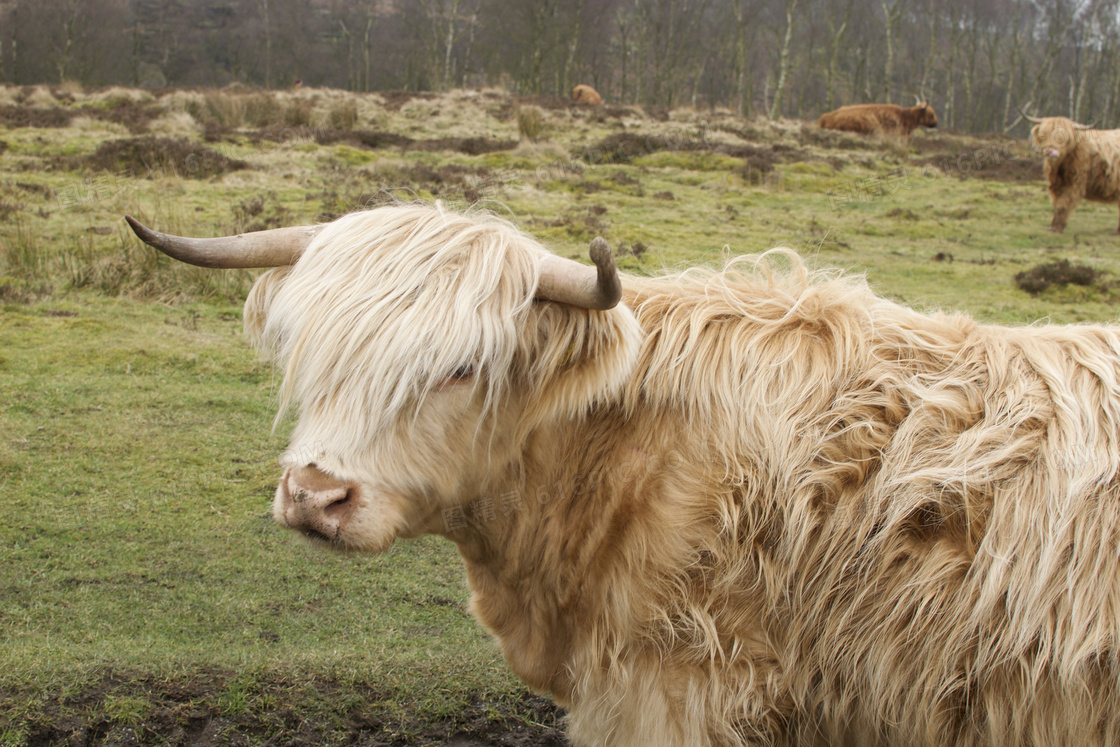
575 359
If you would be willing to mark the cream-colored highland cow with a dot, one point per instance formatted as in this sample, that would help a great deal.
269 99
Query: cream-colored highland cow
758 505
1081 163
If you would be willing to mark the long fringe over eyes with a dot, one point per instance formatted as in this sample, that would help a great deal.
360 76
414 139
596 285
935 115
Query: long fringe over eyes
386 304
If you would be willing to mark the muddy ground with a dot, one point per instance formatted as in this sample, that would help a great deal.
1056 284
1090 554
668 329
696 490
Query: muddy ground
194 713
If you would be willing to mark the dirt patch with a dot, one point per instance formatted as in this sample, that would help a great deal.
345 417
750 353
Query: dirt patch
136 117
372 139
19 116
37 189
151 156
552 103
934 144
1019 170
1063 272
758 162
471 146
579 224
982 163
394 100
120 710
453 182
624 147
376 139
813 135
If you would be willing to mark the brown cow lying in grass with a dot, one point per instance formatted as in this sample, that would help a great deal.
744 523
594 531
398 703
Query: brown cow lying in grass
756 505
1080 163
879 119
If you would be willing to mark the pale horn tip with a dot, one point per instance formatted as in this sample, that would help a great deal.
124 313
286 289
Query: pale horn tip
610 287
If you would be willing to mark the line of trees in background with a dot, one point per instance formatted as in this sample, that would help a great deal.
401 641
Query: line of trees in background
974 60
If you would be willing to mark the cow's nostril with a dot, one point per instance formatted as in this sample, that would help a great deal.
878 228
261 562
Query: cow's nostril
341 507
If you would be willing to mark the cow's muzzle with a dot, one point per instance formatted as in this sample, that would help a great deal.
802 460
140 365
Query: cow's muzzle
315 503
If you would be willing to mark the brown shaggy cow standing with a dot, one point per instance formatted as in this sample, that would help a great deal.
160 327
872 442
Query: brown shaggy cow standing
756 505
584 94
879 119
1081 163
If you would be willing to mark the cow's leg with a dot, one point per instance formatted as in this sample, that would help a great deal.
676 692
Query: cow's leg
1064 204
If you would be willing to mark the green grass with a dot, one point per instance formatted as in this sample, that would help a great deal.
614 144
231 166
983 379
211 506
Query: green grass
137 468
142 579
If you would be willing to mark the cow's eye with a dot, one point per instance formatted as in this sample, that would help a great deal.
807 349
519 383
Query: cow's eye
462 373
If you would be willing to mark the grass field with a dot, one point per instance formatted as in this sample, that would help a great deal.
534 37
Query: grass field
145 594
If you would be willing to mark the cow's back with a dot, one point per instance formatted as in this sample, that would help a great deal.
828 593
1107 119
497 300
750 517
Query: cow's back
1103 155
918 519
866 119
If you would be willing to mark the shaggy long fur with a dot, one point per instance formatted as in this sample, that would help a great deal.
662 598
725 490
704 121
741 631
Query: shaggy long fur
1079 164
757 505
879 119
585 94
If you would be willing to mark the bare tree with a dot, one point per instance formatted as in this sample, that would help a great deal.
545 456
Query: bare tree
837 16
447 19
891 14
783 60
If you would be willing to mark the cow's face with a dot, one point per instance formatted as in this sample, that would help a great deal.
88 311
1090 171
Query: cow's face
419 362
926 115
1054 137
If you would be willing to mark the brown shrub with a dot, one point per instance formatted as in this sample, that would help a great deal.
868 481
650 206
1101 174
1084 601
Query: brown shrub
136 117
1063 272
624 147
147 156
471 146
18 116
379 139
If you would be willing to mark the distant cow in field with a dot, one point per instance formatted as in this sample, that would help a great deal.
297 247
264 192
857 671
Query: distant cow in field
584 94
1080 163
879 119
756 505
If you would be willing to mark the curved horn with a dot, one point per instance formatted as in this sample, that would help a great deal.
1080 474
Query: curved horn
1089 126
272 248
565 281
1028 117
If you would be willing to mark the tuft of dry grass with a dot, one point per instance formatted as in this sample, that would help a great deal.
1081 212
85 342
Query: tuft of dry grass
343 115
530 122
236 109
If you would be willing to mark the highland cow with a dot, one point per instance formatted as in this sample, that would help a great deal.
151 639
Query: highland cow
879 119
755 505
584 94
1080 163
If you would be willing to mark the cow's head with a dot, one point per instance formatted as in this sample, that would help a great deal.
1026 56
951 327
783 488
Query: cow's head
421 347
1054 137
926 116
